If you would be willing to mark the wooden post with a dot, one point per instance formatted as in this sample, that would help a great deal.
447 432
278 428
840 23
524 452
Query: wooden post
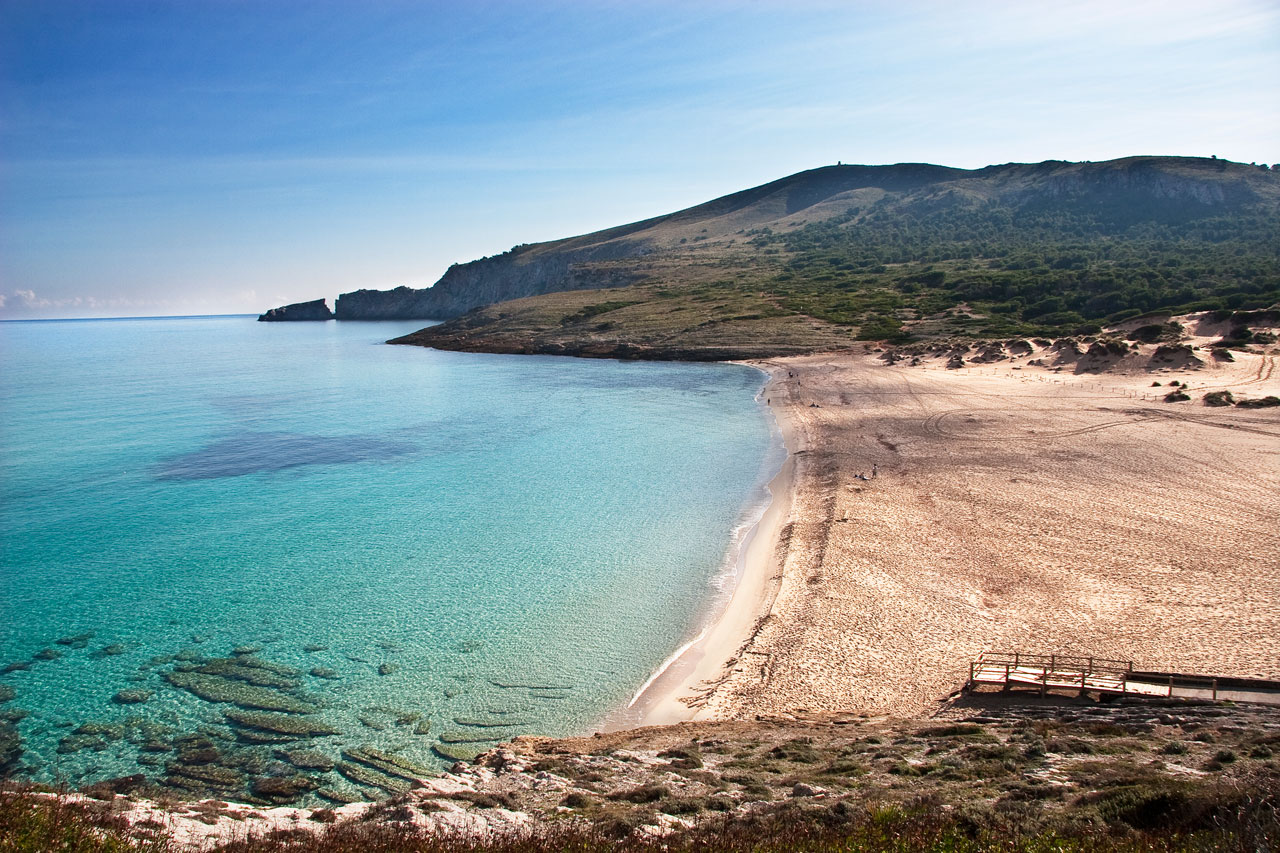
1006 677
969 686
1171 684
1053 662
1017 657
1215 690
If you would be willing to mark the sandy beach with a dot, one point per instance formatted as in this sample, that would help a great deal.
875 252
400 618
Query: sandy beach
1013 505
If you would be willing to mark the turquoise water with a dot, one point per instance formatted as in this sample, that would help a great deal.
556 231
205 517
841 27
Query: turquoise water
468 545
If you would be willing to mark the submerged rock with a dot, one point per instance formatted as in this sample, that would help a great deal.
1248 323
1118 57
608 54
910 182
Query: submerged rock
285 724
467 737
10 749
255 737
79 641
199 779
314 647
489 723
387 668
372 723
529 685
383 762
370 778
16 666
246 650
251 670
47 654
111 731
214 688
307 759
324 672
281 790
456 753
75 742
7 693
344 798
131 697
109 651
422 728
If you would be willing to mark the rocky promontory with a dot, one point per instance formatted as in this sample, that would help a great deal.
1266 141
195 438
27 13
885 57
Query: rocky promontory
316 309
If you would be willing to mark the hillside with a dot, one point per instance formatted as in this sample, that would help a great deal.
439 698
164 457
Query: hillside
841 253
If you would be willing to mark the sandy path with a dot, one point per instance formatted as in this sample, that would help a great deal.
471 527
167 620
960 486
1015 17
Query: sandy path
1029 510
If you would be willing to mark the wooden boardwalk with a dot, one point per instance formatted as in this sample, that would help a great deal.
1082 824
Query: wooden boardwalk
1110 677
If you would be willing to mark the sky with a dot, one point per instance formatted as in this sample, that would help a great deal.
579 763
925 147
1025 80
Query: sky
224 156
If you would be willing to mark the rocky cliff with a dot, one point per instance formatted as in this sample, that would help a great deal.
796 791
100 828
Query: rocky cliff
511 275
316 309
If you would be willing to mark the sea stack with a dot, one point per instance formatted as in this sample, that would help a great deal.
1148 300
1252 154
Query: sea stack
313 310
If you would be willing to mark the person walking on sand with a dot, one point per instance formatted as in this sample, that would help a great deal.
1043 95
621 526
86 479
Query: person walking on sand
875 471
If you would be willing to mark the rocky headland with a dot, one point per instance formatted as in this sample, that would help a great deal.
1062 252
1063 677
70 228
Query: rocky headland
316 309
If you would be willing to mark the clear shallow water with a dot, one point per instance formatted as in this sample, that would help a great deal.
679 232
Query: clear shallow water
443 524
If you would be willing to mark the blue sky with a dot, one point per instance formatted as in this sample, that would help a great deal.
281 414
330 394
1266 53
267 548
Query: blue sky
213 156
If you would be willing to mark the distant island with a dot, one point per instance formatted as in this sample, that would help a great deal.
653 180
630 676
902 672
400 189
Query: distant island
825 257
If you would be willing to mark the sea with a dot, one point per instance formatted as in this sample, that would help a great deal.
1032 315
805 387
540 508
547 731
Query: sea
234 551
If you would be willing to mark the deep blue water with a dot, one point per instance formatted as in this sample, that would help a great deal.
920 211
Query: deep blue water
455 522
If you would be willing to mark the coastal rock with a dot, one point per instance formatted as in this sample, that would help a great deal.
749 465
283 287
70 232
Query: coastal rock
511 275
109 788
316 309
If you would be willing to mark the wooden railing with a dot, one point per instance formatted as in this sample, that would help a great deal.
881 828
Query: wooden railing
1050 671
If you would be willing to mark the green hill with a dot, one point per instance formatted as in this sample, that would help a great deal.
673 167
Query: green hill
841 253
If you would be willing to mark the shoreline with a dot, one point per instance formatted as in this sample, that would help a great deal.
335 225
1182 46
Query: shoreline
677 691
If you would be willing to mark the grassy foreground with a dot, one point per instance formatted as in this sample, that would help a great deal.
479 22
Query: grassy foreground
997 776
1209 818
